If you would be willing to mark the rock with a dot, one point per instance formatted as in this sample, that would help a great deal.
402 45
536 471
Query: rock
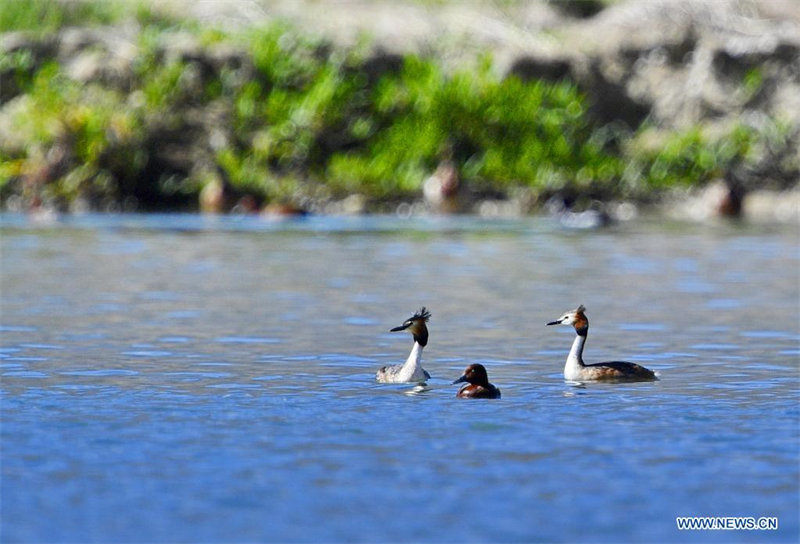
683 61
773 206
86 66
102 55
39 47
355 204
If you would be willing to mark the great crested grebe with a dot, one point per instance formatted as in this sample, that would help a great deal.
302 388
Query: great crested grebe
577 370
479 386
411 370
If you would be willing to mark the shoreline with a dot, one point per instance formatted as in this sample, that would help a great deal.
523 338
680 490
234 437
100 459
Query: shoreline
764 207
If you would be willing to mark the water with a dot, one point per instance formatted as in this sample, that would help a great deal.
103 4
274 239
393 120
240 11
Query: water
180 378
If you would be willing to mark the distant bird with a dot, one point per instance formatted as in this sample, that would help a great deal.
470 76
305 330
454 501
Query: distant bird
595 216
220 196
725 198
214 197
283 209
441 189
719 198
479 386
411 370
577 370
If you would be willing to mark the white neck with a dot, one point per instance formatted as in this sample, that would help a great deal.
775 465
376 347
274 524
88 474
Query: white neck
575 358
412 368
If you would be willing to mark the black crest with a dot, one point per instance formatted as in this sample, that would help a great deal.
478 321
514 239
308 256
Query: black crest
422 313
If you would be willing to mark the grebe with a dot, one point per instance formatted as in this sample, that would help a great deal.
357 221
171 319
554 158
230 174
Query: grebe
577 370
411 370
479 386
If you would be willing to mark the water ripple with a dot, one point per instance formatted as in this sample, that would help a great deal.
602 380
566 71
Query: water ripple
100 372
246 340
25 374
715 347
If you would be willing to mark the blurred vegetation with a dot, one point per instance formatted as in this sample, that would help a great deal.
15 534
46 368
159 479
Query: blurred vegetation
48 16
300 119
43 16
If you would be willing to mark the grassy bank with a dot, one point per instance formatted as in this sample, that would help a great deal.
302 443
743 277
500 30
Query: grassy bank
271 115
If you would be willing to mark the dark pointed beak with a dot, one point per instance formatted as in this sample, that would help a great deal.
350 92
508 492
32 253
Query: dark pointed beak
462 379
400 328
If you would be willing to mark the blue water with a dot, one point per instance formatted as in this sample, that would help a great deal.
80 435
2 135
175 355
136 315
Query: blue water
190 379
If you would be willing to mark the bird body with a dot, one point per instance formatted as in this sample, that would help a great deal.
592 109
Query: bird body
478 386
576 370
411 370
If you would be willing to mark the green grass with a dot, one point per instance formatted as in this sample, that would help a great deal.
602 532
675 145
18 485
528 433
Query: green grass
322 116
504 132
310 119
44 16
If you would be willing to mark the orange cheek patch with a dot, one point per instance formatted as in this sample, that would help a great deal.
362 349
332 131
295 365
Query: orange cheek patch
581 324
